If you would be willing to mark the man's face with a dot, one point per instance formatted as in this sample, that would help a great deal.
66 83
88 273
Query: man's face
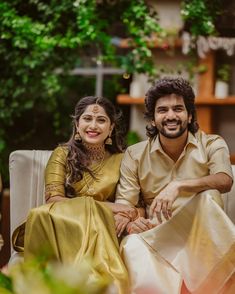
171 117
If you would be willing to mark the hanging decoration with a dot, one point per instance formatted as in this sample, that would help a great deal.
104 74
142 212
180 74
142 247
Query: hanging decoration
204 44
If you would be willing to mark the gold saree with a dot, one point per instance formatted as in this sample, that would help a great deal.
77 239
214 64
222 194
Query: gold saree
81 227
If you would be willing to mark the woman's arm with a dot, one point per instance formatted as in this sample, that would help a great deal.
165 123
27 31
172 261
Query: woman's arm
55 176
58 198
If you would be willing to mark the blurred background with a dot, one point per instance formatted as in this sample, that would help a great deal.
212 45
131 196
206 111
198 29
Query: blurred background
52 53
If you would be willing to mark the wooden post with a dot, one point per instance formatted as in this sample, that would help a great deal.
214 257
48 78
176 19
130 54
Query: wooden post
205 113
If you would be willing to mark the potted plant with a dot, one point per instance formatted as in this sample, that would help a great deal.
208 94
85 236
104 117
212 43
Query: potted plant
222 81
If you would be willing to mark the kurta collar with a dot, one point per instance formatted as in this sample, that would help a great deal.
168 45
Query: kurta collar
156 145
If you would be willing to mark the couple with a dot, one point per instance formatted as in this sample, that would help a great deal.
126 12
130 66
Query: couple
167 199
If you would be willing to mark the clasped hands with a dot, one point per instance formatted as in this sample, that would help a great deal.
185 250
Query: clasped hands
130 219
161 207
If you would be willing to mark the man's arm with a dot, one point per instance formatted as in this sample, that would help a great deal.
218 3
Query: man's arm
220 181
165 199
219 177
128 189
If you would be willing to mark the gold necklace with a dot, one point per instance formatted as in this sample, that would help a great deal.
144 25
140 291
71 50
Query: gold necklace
95 152
86 176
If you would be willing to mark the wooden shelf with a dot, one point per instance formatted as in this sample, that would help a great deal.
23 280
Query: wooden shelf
154 42
127 99
232 158
212 101
207 105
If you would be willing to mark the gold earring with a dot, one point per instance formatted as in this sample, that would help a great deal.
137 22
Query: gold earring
109 141
77 137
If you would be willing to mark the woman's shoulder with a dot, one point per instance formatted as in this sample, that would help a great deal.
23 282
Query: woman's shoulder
113 162
61 149
60 152
117 156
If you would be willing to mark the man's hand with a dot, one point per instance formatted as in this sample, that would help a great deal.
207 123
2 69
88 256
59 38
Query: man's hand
140 225
162 203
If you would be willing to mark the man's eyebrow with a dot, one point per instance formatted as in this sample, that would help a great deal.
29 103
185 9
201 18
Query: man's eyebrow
161 106
179 105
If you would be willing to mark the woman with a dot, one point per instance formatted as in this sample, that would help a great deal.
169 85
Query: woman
80 182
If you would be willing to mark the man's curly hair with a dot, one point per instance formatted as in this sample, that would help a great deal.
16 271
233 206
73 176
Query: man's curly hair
167 86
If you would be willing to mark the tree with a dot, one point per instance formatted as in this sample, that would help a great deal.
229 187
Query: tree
40 38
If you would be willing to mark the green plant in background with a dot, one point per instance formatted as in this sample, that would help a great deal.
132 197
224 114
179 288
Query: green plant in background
200 16
132 138
141 23
40 39
223 72
37 277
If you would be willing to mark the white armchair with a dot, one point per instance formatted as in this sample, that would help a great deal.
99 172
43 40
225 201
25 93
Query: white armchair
27 185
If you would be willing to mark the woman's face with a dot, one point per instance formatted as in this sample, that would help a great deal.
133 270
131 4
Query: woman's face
94 125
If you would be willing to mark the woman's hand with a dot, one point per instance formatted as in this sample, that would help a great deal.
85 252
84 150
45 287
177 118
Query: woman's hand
120 223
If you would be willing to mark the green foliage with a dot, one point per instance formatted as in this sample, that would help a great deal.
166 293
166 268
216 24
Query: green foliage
200 16
35 276
141 23
5 282
41 41
132 138
223 72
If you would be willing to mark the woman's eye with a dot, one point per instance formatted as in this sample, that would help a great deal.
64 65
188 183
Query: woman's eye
101 120
87 118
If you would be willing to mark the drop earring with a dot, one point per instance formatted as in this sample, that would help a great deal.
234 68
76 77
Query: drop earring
77 137
109 140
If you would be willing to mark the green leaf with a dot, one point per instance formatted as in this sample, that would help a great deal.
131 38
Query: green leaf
5 281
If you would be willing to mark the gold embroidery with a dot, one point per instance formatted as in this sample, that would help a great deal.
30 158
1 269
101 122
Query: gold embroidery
54 190
53 187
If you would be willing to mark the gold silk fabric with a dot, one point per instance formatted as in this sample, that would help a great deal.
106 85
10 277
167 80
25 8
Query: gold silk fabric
197 245
102 189
81 227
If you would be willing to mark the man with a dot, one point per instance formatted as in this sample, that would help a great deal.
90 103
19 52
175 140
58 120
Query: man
179 174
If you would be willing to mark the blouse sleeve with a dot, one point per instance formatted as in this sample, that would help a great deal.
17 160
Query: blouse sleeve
55 173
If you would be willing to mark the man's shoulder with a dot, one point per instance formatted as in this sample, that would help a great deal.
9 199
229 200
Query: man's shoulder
208 139
137 149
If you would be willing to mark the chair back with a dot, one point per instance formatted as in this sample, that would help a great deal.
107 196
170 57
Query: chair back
26 183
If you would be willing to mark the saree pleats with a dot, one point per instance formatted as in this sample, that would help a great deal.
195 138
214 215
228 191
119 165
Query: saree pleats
196 246
74 230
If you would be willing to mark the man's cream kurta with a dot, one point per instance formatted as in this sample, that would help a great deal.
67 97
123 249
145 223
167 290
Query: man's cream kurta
197 245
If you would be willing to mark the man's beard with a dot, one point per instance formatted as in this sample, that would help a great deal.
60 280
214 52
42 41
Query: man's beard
169 134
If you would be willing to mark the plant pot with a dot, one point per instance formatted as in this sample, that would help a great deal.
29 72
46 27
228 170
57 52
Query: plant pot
221 89
139 85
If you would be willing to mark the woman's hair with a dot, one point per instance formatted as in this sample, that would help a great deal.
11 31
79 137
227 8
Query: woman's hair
77 161
167 86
